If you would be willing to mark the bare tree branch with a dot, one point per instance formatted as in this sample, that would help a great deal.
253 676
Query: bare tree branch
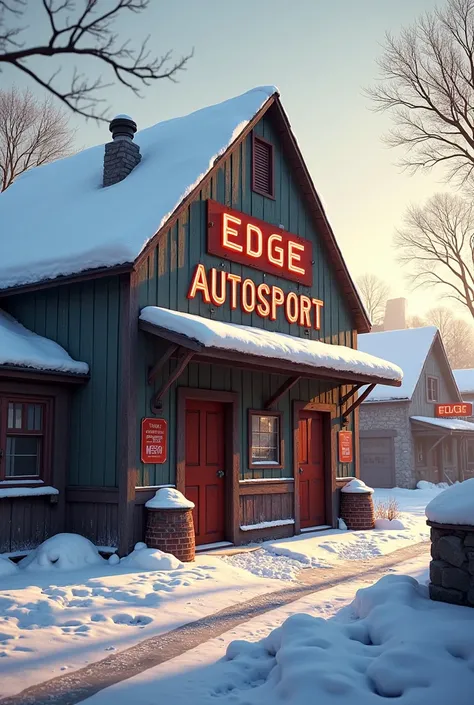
32 133
427 86
374 294
456 333
85 33
436 243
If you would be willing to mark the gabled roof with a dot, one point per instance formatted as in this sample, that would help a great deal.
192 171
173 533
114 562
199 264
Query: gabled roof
409 349
21 348
465 380
58 220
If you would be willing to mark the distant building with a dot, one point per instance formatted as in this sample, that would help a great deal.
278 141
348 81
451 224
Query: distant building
403 437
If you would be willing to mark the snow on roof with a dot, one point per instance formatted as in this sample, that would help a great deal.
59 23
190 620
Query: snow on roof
58 219
453 506
23 348
265 343
465 380
406 348
448 424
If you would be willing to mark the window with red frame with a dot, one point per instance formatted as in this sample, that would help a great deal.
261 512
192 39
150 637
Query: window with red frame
24 427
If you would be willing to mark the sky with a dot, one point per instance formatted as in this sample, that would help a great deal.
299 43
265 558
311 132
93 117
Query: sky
321 54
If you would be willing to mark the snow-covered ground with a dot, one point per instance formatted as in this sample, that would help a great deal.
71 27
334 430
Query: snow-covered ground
54 619
283 559
390 641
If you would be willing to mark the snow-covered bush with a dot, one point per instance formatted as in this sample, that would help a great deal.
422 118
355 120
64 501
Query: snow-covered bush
62 552
7 567
143 558
390 509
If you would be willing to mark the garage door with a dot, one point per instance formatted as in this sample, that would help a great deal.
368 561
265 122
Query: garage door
377 461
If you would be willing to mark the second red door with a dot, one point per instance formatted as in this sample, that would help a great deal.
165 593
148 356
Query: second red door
311 469
204 468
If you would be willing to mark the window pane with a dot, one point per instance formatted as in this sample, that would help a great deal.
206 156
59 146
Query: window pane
10 415
35 417
265 440
23 455
14 415
18 415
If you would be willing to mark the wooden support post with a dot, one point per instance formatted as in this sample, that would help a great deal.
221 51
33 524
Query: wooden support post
161 362
285 387
183 361
349 394
358 402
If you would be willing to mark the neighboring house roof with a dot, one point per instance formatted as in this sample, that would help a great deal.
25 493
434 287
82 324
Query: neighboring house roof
20 347
59 221
445 424
465 380
406 348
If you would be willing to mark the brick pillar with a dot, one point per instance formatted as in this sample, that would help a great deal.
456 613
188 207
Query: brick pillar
357 506
172 531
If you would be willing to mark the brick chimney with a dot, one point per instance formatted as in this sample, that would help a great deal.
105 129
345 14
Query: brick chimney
122 154
395 314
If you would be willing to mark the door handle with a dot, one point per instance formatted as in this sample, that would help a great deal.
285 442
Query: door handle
220 473
300 471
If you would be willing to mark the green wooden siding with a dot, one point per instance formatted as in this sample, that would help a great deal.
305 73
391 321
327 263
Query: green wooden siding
84 319
253 388
164 280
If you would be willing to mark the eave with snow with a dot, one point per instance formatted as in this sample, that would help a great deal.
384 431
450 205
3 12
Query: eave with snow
192 267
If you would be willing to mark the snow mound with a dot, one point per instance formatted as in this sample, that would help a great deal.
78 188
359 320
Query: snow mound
453 506
356 486
62 552
7 567
169 498
341 524
392 642
425 485
389 524
144 558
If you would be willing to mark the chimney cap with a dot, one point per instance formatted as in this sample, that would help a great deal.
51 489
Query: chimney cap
123 127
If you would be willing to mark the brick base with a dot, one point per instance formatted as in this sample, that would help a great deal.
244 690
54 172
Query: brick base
172 531
357 510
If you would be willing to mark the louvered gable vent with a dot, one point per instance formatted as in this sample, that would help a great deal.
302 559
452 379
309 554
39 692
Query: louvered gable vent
262 167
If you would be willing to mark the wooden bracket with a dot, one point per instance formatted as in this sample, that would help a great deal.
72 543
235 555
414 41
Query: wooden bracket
349 394
183 361
285 387
357 403
170 350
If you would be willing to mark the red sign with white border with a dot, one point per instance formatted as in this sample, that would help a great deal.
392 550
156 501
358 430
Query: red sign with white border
154 441
447 411
241 238
345 447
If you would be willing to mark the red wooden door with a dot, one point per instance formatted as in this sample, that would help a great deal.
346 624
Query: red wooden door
311 469
204 468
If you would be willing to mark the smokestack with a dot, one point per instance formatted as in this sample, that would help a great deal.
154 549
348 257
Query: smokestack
122 154
395 314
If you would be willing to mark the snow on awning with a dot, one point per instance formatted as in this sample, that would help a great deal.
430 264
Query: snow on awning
446 425
20 347
229 342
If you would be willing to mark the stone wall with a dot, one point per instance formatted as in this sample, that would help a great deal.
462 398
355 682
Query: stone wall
393 417
452 565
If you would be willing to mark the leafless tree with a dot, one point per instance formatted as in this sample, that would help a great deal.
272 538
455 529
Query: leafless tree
374 294
457 335
436 244
82 29
427 85
32 133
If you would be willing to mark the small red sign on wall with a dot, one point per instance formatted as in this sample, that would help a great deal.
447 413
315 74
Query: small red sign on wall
444 411
154 446
255 243
345 447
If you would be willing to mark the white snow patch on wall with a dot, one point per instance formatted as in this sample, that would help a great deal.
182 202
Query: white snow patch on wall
267 524
27 491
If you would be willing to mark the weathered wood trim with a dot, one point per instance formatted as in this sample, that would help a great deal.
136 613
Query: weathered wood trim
283 487
127 417
176 338
183 361
68 279
170 350
285 387
330 459
29 375
355 405
349 394
272 532
99 495
232 433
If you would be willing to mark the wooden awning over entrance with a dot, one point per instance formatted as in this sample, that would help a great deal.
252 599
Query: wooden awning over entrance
184 344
